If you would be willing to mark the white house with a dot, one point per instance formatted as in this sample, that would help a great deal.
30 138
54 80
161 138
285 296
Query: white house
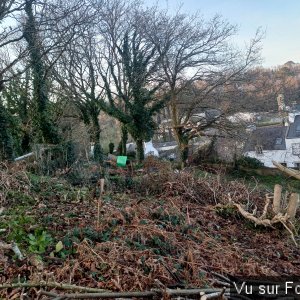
278 143
148 148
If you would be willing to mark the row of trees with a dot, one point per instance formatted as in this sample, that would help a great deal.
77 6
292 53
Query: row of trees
119 57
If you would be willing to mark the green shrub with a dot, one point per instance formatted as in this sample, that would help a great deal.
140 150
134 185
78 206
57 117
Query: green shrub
249 162
39 241
17 226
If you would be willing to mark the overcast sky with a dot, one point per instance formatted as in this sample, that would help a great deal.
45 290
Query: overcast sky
279 18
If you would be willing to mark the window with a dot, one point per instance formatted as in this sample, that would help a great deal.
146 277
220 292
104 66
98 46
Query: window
284 164
259 149
297 165
296 149
278 141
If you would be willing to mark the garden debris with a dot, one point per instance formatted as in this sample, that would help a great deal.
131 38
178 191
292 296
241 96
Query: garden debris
14 247
177 230
285 216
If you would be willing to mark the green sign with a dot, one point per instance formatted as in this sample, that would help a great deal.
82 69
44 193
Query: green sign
121 161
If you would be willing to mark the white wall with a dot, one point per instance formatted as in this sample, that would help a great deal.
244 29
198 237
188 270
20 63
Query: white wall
267 156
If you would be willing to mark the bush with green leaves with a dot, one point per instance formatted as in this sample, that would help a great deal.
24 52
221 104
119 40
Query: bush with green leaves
249 162
39 241
16 226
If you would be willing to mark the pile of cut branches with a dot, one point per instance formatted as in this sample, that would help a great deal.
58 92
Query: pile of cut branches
13 178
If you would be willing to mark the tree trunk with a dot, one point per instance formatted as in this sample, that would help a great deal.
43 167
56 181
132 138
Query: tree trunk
124 139
24 107
181 139
6 140
140 150
183 145
25 142
40 89
98 153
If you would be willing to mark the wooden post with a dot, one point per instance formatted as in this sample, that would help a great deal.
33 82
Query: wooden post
101 182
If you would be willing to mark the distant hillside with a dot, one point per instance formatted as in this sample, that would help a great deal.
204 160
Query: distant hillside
265 84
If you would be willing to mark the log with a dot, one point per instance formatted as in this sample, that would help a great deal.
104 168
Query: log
288 171
277 198
24 156
50 284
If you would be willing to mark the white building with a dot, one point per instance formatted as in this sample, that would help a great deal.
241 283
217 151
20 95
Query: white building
280 143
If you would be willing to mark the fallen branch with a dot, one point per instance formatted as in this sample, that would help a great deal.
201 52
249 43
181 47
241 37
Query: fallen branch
24 156
216 295
152 293
251 217
288 171
50 284
14 247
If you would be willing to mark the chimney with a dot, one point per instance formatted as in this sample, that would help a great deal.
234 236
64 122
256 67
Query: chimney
286 121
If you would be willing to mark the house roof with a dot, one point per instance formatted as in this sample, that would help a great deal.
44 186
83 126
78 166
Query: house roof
270 138
294 129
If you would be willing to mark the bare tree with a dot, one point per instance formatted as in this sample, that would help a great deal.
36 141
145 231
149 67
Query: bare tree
198 51
10 37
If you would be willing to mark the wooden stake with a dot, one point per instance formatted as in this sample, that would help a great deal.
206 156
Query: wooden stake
277 198
101 186
100 201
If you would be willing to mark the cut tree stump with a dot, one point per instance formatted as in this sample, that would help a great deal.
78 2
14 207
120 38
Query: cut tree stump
285 216
277 198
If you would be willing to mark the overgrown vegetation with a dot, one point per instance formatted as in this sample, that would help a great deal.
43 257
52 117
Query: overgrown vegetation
159 220
249 162
67 65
